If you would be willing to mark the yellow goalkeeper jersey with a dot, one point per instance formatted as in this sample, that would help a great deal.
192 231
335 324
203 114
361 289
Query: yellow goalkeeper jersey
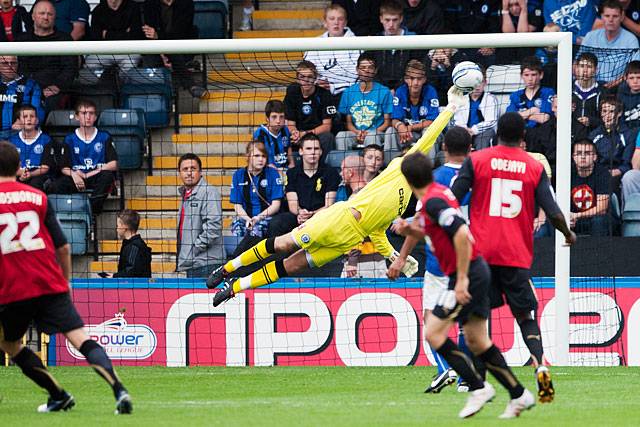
386 197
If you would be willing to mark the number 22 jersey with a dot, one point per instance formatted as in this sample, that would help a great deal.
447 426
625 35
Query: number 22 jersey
506 183
29 234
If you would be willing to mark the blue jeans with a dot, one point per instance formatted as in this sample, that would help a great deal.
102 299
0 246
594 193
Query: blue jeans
595 226
201 272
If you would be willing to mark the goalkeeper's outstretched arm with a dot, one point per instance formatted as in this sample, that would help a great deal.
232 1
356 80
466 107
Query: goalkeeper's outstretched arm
457 99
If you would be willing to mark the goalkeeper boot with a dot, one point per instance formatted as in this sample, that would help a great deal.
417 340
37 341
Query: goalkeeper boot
123 403
516 406
546 391
225 294
217 276
477 399
442 380
67 402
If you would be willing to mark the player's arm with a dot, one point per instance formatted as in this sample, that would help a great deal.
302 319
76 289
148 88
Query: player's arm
381 243
63 252
456 100
452 222
545 199
394 270
464 180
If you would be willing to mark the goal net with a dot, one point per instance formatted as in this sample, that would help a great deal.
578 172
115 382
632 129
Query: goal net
159 102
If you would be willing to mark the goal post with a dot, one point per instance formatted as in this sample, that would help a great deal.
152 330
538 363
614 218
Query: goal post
563 42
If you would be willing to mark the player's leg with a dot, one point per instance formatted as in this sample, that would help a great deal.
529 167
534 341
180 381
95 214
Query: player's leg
15 320
479 342
100 184
437 330
463 387
100 362
284 244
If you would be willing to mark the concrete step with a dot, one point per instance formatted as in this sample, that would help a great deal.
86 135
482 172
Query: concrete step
276 34
208 162
233 93
157 246
110 265
288 19
288 4
210 138
165 204
244 77
170 225
222 119
290 57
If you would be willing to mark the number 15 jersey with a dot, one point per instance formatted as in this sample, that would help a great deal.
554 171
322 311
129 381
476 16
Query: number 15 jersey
506 182
29 234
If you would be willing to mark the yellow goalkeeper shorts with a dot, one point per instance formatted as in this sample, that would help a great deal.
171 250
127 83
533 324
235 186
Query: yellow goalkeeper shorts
329 234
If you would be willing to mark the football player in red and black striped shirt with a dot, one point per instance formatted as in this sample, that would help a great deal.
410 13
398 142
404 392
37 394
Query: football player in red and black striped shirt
35 266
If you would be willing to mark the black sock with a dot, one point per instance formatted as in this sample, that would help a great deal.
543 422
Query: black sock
495 363
461 363
100 362
270 245
533 338
480 368
33 368
282 272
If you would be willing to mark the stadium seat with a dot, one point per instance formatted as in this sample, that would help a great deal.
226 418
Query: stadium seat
74 214
335 158
60 123
210 18
631 216
101 86
127 129
148 89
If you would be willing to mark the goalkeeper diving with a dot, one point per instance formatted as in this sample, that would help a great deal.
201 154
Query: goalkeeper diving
335 230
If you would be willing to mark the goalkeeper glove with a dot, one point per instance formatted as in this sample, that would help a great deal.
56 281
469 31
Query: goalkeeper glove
457 98
410 266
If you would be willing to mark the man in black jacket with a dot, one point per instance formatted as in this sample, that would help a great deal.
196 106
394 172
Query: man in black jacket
362 16
135 255
53 73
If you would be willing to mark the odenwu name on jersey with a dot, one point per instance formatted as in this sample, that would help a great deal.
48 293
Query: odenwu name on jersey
507 165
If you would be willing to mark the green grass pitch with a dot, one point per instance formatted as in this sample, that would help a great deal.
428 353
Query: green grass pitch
307 396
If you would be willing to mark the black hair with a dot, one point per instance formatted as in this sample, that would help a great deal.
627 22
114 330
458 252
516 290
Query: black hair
308 137
510 129
417 169
190 156
458 141
9 159
367 56
589 57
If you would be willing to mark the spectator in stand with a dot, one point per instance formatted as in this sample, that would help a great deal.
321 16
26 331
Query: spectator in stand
423 17
275 136
586 90
135 255
246 24
631 179
16 90
614 140
115 20
15 21
629 94
542 139
200 244
415 106
53 73
338 67
172 20
475 17
373 160
310 188
515 17
548 57
309 108
256 194
72 17
35 147
392 63
533 103
362 15
480 118
575 16
90 161
631 19
589 191
367 106
611 36
441 63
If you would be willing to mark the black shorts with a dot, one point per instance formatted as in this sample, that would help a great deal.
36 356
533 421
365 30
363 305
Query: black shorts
51 314
479 282
515 284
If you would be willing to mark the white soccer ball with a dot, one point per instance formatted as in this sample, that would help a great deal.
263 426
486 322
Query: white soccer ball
467 76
